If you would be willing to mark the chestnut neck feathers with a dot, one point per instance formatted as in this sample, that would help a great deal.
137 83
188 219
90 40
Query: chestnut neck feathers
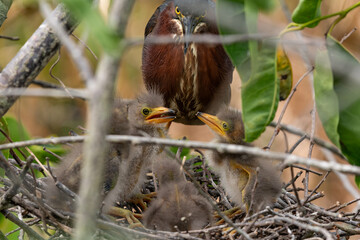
191 77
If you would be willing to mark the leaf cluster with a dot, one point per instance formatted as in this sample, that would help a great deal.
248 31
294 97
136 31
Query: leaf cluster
269 79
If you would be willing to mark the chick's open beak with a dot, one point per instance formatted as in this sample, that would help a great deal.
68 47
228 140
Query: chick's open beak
161 115
212 122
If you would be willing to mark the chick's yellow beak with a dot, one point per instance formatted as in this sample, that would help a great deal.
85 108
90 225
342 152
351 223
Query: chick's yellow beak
160 115
212 122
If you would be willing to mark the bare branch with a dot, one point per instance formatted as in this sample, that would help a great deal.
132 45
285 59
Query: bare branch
10 38
32 57
32 234
100 105
343 179
288 159
38 92
317 141
277 127
76 53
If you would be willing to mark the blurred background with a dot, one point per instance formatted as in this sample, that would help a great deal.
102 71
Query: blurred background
43 117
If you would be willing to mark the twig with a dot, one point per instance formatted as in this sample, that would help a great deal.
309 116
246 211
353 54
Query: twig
2 236
80 61
52 153
101 90
317 187
317 141
21 235
86 46
286 141
16 184
343 179
214 205
44 84
218 189
277 127
252 195
10 38
345 205
21 152
56 78
292 149
305 226
311 145
37 160
220 147
36 92
32 234
212 39
32 57
293 179
33 165
294 187
348 35
302 168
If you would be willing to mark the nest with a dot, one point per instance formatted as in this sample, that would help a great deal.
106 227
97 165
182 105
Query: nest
289 218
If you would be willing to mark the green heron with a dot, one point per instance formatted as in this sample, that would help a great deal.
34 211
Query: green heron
178 206
142 115
190 76
240 173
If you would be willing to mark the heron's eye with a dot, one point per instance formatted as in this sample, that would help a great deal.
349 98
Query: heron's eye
177 11
145 111
225 126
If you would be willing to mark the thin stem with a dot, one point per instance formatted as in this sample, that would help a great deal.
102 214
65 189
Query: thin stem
317 187
342 14
276 131
288 159
32 234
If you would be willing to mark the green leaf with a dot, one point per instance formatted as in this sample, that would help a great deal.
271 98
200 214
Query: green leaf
306 11
327 104
346 72
90 16
262 5
283 72
184 152
7 226
229 12
251 20
4 8
260 95
257 68
42 155
17 132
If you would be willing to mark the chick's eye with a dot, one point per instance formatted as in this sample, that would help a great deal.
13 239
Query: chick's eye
177 11
225 126
204 14
145 111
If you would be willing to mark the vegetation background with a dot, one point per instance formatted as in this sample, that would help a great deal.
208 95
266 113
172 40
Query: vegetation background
43 117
